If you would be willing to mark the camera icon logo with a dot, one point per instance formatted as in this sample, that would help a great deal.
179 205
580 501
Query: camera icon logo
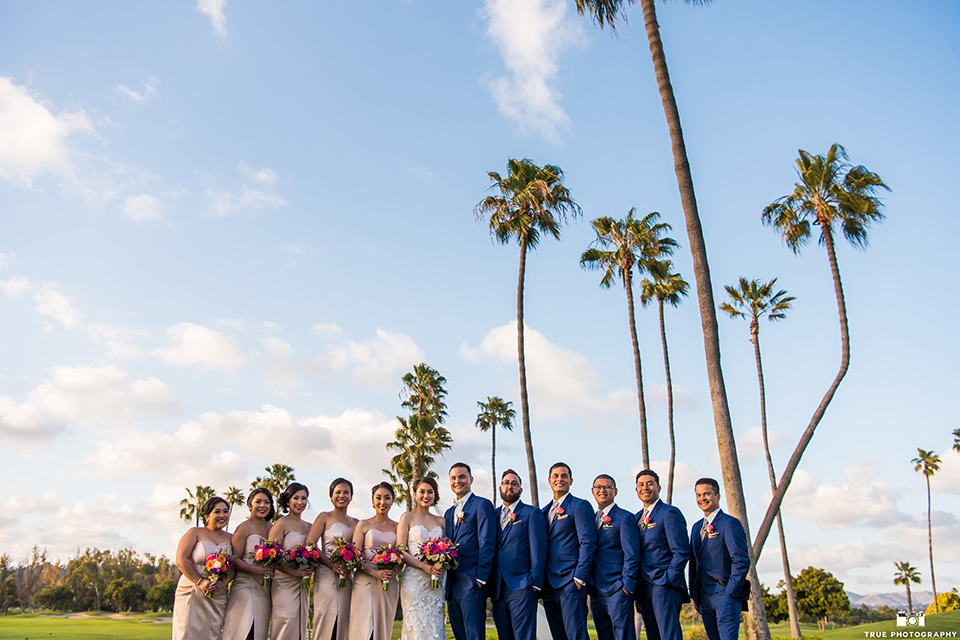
905 619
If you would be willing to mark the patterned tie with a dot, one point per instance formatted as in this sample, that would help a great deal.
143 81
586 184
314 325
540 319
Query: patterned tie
643 518
599 517
504 517
458 511
703 530
553 510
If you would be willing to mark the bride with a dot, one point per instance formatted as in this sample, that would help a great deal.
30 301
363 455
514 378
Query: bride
422 604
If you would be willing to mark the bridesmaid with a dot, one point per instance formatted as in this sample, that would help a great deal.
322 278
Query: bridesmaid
291 602
331 604
372 610
195 616
248 610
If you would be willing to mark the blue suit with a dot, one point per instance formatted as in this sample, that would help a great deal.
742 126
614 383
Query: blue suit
572 537
718 574
615 568
520 566
476 539
661 589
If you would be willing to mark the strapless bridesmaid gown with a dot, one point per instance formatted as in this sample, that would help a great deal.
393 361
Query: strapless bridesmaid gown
331 604
249 605
372 609
195 616
291 602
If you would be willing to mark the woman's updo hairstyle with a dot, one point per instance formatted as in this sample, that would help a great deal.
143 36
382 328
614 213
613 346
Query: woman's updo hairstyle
384 485
432 482
266 492
339 481
284 500
210 505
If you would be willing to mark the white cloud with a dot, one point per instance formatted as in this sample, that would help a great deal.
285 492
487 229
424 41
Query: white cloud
530 36
34 141
21 505
858 500
13 287
196 345
120 342
559 381
148 93
947 479
222 203
213 9
263 175
750 444
372 362
54 304
7 258
279 373
26 422
143 208
320 328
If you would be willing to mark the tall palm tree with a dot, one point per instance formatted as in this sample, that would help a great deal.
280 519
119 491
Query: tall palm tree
423 392
234 496
609 12
752 300
278 478
956 440
929 463
905 575
620 245
190 506
532 201
831 192
495 412
669 288
418 440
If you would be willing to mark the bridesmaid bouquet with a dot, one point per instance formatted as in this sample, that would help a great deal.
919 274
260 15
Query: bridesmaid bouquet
345 555
441 553
216 564
269 553
388 558
305 555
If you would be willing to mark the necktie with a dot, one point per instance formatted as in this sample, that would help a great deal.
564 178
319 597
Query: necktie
553 510
458 511
703 530
643 518
504 517
599 518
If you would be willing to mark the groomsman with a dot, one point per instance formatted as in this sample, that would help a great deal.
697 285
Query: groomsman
572 537
719 564
615 565
472 524
521 562
664 552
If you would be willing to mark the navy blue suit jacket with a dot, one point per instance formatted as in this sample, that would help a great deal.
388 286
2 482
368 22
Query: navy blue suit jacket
664 547
722 555
617 561
572 538
521 550
476 539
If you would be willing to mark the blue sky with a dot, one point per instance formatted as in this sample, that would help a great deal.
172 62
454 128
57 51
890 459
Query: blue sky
229 229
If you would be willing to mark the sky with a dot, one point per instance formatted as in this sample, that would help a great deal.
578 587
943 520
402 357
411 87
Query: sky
230 228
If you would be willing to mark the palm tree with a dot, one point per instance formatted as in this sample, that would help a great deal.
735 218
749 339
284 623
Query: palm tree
278 478
929 463
234 496
670 288
608 12
905 575
418 440
831 192
495 412
423 392
532 201
190 506
956 440
753 299
620 245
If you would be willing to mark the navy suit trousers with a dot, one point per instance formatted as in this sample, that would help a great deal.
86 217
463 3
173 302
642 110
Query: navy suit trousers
720 612
515 613
566 610
660 608
467 609
613 616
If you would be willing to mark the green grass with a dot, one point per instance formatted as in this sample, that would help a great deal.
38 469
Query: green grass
34 627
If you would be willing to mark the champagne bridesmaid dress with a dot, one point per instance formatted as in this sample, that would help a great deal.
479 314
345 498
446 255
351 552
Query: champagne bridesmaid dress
195 616
249 605
331 604
372 609
291 602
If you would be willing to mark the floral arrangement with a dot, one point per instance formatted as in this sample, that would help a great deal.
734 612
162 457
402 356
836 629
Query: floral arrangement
606 519
513 518
560 513
345 555
305 555
645 523
709 528
388 558
269 553
215 565
460 518
441 553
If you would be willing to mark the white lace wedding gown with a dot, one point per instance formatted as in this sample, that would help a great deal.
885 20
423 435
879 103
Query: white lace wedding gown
422 604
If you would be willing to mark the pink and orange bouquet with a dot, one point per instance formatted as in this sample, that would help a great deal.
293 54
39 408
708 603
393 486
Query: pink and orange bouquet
441 553
345 555
269 553
388 558
218 563
305 555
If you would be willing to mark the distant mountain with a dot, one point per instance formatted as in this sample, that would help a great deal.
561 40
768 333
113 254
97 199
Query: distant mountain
894 600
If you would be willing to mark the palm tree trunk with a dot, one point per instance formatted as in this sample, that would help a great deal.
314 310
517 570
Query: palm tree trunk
524 404
909 597
933 579
787 578
757 620
774 507
644 446
493 460
673 440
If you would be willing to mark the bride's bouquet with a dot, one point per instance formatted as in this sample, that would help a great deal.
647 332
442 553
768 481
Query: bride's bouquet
441 553
345 555
305 555
215 565
388 558
269 553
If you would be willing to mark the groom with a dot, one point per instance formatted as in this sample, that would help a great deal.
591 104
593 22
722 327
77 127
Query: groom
471 524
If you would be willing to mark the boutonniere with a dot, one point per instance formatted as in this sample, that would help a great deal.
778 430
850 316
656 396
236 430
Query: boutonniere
460 518
606 520
560 513
646 523
513 518
709 528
